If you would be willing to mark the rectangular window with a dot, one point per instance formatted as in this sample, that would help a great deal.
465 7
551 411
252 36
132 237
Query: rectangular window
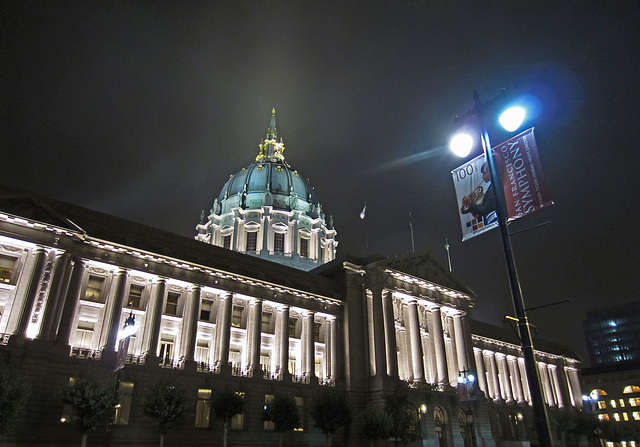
621 401
84 334
304 247
237 422
226 242
235 357
316 332
636 415
166 351
292 327
616 416
203 408
135 296
266 323
252 241
205 310
7 264
634 401
278 242
268 425
602 404
202 351
236 319
171 308
94 289
123 403
613 403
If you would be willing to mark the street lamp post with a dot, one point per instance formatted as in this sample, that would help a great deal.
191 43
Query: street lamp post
533 377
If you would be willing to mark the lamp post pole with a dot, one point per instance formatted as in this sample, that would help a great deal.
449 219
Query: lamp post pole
531 368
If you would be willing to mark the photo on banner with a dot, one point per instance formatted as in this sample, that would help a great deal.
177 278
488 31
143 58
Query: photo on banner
476 199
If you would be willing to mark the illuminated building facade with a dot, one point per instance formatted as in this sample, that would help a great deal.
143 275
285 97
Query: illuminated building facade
612 385
210 317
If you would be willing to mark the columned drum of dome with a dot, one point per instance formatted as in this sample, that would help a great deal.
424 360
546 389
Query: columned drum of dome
269 210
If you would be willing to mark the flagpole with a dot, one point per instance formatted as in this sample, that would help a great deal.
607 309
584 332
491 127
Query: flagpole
446 246
413 246
366 231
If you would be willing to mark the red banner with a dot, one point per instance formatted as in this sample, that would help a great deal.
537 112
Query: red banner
520 170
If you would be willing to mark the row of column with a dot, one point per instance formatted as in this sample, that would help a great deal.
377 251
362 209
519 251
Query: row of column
424 354
65 286
503 377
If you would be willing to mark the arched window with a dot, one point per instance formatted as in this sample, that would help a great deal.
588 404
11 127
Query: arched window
597 393
631 389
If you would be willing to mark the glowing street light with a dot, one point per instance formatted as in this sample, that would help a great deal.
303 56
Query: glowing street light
511 120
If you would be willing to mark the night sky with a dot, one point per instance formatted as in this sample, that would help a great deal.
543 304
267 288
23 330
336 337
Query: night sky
143 110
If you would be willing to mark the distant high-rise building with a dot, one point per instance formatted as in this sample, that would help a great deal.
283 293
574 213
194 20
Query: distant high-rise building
613 335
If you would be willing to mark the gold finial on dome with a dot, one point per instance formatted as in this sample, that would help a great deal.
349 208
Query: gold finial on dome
271 148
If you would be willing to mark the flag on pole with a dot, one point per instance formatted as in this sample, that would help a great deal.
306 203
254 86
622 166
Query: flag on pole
362 214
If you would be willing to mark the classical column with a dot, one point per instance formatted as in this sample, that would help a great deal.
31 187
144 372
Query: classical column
416 342
390 334
553 372
505 381
451 351
429 358
70 303
435 330
546 386
116 310
377 342
516 380
58 288
525 381
461 343
30 294
192 321
493 376
224 333
283 349
254 335
334 347
480 370
575 390
308 347
156 315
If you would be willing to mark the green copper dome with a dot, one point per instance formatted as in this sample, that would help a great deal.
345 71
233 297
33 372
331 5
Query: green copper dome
269 181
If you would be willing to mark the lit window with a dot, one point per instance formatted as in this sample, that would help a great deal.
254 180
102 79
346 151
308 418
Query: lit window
171 308
631 389
636 415
278 242
252 241
603 417
94 289
203 410
613 403
621 402
625 416
616 416
123 405
7 265
205 310
634 401
166 351
84 334
304 247
135 296
236 319
602 404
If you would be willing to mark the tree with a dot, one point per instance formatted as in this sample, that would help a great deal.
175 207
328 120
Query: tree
376 424
283 412
330 410
402 413
225 404
91 401
167 404
13 397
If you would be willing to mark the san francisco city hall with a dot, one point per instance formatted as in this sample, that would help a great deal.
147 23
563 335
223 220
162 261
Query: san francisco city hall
259 302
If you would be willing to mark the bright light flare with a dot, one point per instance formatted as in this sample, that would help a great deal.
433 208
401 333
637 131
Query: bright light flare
461 144
512 118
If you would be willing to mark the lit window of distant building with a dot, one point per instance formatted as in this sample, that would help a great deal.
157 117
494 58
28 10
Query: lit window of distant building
94 289
7 264
135 296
